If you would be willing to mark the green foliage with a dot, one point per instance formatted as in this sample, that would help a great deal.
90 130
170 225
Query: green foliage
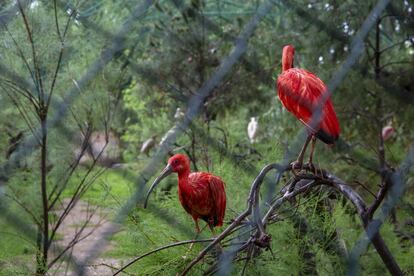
146 115
166 57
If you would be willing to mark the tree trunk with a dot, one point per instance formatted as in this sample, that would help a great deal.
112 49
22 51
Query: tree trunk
42 260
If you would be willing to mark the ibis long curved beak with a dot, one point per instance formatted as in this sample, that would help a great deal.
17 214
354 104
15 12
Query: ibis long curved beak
165 172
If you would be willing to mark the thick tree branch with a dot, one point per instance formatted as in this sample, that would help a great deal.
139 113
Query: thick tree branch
376 240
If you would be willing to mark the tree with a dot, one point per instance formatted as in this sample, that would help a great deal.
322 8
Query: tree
39 64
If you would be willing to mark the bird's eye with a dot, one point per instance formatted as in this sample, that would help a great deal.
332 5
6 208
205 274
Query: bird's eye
175 162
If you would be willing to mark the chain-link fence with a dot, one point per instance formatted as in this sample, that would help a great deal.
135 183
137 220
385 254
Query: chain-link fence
259 213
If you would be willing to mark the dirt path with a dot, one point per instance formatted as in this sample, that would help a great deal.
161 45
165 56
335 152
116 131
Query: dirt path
98 224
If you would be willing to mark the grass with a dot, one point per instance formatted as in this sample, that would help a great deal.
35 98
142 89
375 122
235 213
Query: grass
16 252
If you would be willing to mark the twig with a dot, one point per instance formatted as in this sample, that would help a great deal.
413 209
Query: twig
393 45
385 186
18 236
365 188
25 208
35 62
109 266
160 249
62 48
21 55
395 62
77 237
248 258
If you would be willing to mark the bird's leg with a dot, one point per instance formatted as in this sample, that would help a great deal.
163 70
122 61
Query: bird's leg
310 164
303 150
218 247
212 229
198 231
197 227
299 161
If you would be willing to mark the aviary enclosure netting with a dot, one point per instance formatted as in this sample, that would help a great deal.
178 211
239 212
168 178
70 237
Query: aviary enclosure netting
75 72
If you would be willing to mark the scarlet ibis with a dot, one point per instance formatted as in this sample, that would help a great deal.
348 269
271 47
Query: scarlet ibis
387 132
201 194
301 93
252 129
148 145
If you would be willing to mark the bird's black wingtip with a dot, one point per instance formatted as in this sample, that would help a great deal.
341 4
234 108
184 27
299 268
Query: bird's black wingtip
325 137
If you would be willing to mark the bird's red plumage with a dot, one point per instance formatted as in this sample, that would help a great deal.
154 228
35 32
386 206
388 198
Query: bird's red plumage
301 92
202 194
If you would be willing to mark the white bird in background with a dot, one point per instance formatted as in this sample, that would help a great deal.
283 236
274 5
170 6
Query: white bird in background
252 129
387 132
148 145
178 114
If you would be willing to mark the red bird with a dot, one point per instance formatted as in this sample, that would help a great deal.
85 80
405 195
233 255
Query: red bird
387 132
201 194
301 93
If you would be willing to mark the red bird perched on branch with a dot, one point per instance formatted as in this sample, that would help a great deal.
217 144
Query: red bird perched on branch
303 94
201 194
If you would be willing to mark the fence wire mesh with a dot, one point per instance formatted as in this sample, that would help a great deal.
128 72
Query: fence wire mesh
117 42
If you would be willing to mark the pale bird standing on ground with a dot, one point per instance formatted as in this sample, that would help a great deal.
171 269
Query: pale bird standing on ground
178 114
252 130
387 132
148 145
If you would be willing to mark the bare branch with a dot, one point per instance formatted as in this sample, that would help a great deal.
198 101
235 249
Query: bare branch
393 45
395 62
27 210
159 249
23 92
24 115
77 237
34 56
21 55
62 48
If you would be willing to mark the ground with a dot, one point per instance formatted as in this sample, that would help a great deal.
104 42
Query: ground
102 265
